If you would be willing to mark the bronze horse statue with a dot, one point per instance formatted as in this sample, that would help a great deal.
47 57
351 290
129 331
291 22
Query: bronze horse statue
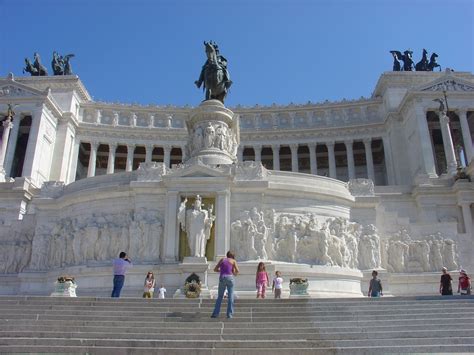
422 65
35 69
214 74
433 64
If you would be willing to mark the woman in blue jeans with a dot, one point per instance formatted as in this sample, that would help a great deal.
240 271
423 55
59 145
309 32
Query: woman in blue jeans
227 269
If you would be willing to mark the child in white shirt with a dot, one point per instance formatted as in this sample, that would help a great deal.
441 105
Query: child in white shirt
161 292
277 284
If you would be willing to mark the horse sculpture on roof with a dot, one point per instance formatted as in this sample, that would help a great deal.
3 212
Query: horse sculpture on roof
214 74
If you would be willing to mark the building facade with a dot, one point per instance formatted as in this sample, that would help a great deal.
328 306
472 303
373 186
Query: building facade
326 190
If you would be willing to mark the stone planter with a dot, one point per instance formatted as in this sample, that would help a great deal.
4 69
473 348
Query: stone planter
64 289
299 287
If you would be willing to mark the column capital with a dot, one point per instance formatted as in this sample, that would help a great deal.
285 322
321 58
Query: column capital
149 145
167 147
131 145
462 111
348 141
275 146
225 193
330 144
94 144
312 145
257 146
367 140
7 123
293 146
113 145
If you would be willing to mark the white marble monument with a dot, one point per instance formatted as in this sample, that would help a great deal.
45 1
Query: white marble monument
322 191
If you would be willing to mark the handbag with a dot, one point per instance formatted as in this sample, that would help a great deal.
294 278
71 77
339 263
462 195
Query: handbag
464 291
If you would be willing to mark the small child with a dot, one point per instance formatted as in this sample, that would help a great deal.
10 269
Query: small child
149 286
277 284
375 286
161 292
261 280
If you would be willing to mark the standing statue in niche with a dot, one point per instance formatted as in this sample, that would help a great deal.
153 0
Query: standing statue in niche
197 224
214 74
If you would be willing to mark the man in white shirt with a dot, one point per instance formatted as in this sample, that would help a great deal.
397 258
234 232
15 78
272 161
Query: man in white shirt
121 264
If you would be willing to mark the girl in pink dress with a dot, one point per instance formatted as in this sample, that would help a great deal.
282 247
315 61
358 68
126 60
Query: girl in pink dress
261 280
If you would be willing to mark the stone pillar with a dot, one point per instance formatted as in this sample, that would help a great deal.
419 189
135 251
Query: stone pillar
369 159
428 164
32 149
74 161
467 216
148 153
350 158
276 156
258 153
130 152
167 155
11 147
332 160
313 162
183 153
240 153
294 157
169 252
222 229
7 126
466 136
448 144
111 160
92 159
387 149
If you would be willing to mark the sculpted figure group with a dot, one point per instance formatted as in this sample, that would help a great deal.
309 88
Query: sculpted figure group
408 64
60 64
96 238
256 234
213 135
304 238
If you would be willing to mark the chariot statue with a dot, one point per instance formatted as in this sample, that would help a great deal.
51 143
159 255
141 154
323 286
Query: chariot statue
61 64
214 74
35 69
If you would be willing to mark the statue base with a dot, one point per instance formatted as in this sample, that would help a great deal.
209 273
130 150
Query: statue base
195 260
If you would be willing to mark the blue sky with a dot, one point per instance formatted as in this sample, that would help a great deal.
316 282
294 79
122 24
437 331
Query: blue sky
281 51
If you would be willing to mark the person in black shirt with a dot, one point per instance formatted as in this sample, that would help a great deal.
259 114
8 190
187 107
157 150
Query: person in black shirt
446 283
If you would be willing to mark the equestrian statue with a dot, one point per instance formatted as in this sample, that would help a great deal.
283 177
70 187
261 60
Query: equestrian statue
214 74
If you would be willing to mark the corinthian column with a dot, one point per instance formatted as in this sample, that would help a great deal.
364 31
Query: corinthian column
276 156
92 159
368 158
148 153
313 162
466 136
350 158
332 160
130 151
258 152
294 157
7 126
111 160
167 155
240 154
448 143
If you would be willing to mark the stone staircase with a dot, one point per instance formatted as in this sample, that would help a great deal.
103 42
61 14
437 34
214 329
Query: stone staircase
287 326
